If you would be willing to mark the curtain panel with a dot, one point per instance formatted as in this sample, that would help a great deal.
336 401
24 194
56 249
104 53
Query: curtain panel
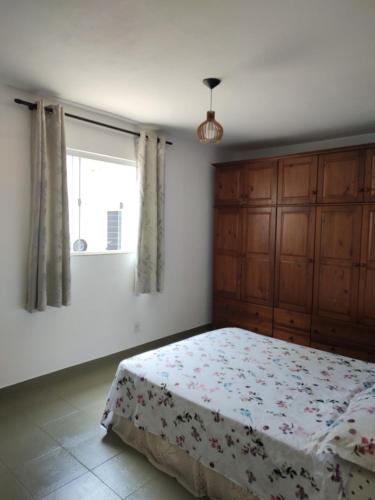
48 271
151 246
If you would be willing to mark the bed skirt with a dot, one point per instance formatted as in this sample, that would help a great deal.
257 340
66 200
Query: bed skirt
191 474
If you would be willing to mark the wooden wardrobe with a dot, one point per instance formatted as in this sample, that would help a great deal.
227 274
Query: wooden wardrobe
294 250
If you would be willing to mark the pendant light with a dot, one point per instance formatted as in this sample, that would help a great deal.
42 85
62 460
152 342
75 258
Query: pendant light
210 131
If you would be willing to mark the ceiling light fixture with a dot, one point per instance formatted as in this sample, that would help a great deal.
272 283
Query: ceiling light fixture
210 131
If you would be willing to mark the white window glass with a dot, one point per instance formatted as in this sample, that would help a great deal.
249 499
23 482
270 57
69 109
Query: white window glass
102 203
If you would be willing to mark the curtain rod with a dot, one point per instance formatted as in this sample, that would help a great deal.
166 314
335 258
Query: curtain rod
32 105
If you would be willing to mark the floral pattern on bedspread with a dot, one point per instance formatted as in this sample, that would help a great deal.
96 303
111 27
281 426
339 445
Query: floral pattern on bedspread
252 408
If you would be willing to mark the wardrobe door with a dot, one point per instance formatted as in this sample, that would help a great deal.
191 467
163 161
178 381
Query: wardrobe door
258 246
227 185
294 258
370 175
366 304
297 180
260 182
337 261
227 252
340 177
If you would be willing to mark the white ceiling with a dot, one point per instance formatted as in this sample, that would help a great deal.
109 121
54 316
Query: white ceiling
292 70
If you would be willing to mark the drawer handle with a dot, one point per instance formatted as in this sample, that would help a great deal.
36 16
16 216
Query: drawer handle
313 191
291 321
256 313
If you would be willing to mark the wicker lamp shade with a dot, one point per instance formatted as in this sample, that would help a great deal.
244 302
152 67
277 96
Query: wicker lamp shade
210 131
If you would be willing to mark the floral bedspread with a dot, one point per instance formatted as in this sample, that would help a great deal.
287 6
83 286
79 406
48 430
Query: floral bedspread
250 407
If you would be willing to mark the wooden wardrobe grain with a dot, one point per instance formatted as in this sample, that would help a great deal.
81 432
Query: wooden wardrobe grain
294 252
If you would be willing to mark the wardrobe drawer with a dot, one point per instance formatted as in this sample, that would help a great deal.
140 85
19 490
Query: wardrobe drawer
253 312
242 314
292 336
254 317
257 326
330 332
341 335
257 312
292 319
345 351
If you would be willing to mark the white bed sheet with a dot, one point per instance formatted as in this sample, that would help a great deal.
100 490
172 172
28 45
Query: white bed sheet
250 407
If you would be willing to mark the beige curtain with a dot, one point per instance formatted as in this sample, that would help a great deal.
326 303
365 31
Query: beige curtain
48 280
151 177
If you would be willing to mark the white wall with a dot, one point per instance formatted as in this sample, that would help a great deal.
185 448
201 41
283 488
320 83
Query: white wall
232 154
104 310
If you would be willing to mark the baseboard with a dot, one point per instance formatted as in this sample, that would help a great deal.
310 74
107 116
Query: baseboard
154 344
127 353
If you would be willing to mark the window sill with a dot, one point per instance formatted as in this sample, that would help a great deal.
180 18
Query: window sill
104 252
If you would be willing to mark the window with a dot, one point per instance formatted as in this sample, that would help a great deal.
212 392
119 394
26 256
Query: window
102 203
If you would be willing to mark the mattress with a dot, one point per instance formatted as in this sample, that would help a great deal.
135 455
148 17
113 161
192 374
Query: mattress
251 408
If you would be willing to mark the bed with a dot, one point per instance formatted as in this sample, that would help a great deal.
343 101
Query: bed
235 415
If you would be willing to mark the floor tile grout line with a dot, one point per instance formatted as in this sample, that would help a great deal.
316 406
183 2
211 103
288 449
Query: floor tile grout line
137 489
24 413
79 461
122 498
70 481
106 460
16 478
58 446
63 485
61 445
23 484
55 396
101 480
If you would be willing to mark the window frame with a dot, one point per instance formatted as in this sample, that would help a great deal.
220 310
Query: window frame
111 159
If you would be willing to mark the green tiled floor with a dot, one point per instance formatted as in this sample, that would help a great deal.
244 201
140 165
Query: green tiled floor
52 446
